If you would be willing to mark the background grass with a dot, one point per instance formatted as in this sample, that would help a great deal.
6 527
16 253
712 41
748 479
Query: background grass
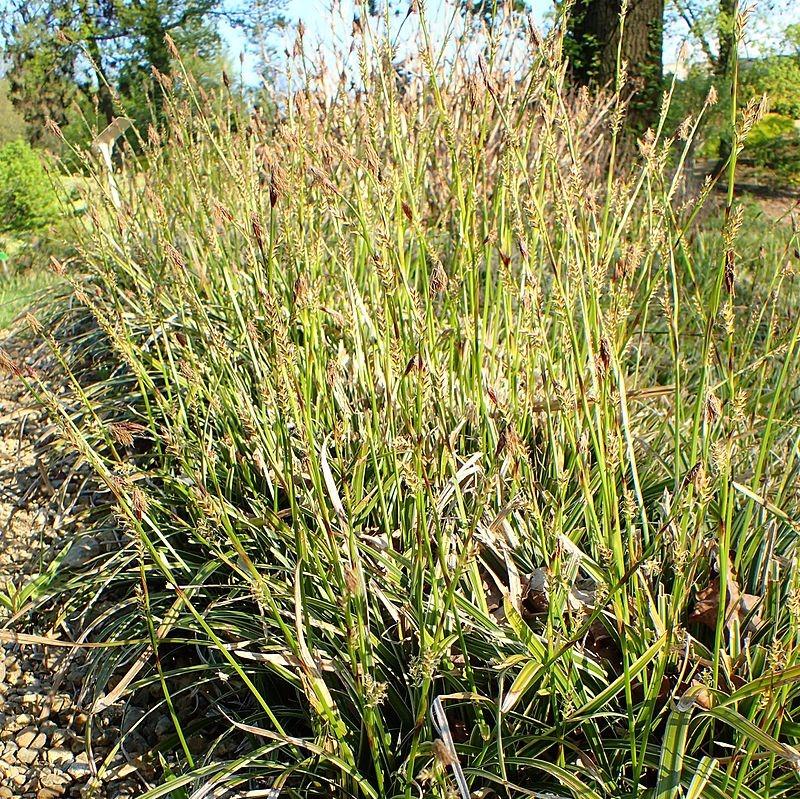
20 289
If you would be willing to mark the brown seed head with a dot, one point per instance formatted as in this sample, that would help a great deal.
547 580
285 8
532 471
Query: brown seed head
438 278
57 267
713 408
139 502
175 257
124 432
8 365
351 581
442 753
258 230
52 127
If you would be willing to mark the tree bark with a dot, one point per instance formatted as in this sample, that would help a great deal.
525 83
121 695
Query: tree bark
155 49
723 66
726 38
594 35
105 101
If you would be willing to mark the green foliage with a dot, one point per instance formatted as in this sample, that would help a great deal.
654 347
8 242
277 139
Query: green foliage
774 144
18 292
22 278
779 78
27 198
771 127
74 65
792 38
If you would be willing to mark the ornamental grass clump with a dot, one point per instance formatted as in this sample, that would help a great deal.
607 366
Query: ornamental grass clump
447 448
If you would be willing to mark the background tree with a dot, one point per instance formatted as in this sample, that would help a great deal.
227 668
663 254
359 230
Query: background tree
593 42
41 71
490 10
711 25
89 54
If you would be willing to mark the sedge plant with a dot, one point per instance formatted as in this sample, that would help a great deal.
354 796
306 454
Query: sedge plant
438 460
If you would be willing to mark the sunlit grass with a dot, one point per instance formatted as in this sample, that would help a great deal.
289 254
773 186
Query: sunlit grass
19 291
430 448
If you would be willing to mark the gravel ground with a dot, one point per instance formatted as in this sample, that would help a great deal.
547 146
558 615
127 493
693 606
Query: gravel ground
49 746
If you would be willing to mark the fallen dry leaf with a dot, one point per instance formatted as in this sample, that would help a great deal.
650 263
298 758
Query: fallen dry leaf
707 604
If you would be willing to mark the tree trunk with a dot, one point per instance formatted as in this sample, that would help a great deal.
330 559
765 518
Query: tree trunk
105 101
723 66
594 32
155 49
726 38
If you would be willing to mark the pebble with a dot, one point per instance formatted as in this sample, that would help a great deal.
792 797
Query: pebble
27 756
57 737
164 727
135 744
81 552
38 742
53 779
59 757
39 727
26 737
133 715
78 770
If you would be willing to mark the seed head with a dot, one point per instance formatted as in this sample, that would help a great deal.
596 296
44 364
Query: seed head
173 50
175 257
124 432
438 278
273 191
442 753
351 581
603 359
713 408
8 365
301 290
258 230
139 502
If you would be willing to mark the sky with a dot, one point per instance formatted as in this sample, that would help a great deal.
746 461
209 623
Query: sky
770 19
765 27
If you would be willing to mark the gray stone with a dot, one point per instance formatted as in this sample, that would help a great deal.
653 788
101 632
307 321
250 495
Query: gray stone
132 716
164 727
83 549
78 770
60 757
